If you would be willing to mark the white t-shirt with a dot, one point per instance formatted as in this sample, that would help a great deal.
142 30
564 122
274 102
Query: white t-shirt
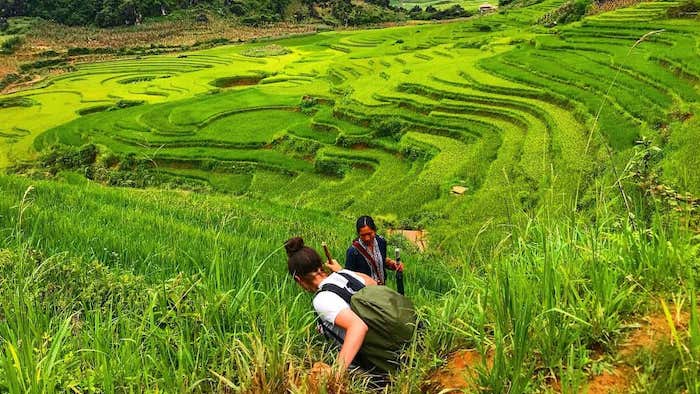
328 305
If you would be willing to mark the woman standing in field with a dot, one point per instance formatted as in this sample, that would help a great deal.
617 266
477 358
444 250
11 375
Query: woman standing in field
367 254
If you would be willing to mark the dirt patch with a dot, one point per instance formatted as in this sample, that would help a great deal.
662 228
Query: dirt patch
416 237
617 381
461 368
653 330
359 146
456 375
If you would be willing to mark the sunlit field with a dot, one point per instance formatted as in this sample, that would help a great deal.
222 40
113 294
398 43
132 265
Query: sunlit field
147 200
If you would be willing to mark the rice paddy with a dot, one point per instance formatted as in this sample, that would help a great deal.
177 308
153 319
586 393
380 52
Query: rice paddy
517 96
536 265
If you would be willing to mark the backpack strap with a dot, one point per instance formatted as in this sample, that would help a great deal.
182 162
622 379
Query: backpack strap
355 285
373 264
353 282
337 290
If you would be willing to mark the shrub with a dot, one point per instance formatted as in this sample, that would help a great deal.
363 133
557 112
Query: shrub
238 8
16 102
9 79
570 11
4 24
59 157
121 104
381 3
10 45
331 167
78 51
390 128
49 53
688 9
308 104
456 11
109 160
412 153
41 64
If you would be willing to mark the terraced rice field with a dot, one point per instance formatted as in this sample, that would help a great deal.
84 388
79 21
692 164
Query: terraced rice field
398 115
471 5
541 277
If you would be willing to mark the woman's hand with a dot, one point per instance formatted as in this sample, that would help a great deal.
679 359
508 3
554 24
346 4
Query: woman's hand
392 265
333 265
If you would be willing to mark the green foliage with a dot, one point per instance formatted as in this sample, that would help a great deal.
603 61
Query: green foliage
16 102
39 64
10 45
60 157
688 9
680 158
332 166
9 79
77 51
391 128
570 11
567 229
141 273
430 13
107 13
267 50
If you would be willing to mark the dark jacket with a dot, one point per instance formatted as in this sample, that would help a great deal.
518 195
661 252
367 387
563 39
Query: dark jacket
354 261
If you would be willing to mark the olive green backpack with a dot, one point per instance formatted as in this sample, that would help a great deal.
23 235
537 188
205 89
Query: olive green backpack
390 317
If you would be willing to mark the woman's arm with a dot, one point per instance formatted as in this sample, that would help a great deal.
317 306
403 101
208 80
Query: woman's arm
355 331
393 265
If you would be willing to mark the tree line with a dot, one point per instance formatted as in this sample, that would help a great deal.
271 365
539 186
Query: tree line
107 13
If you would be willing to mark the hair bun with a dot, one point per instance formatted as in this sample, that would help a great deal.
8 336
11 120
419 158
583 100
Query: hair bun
294 245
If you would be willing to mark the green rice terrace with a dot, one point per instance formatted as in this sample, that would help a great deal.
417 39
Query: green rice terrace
145 203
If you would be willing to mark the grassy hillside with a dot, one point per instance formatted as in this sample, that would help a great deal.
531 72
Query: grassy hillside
575 145
117 290
523 108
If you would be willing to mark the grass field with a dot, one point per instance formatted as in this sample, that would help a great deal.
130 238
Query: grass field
561 245
521 102
470 5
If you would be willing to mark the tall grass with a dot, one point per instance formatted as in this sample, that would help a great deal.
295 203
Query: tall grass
117 290
226 317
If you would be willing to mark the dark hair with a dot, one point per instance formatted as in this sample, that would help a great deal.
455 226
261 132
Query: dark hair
301 260
363 221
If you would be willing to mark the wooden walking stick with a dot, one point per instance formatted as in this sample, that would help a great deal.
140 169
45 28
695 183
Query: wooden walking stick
329 262
327 252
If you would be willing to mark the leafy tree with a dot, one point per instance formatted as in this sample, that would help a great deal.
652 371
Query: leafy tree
381 3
